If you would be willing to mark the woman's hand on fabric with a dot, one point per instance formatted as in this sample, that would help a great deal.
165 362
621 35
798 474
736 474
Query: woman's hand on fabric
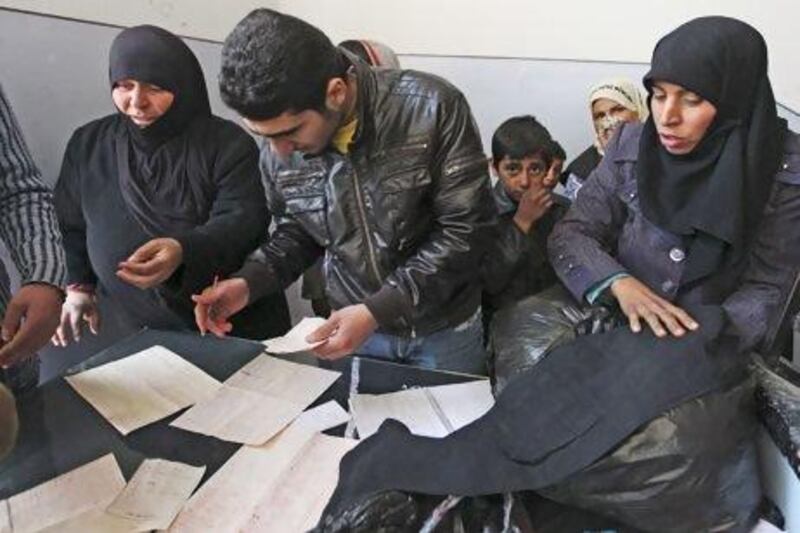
79 307
30 319
214 307
639 303
152 263
343 332
533 205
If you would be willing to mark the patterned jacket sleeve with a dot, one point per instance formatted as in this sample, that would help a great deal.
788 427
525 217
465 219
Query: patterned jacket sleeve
28 224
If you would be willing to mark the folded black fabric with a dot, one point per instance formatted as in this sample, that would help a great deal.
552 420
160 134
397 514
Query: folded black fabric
550 422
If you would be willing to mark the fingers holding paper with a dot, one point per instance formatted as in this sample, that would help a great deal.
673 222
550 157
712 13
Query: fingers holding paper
343 332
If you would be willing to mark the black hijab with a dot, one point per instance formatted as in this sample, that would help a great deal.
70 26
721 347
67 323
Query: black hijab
151 161
715 195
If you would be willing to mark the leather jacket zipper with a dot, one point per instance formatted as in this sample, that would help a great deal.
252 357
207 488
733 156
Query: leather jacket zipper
363 215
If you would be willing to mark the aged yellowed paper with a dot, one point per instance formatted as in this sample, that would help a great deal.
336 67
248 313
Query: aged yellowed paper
85 489
143 388
155 494
258 401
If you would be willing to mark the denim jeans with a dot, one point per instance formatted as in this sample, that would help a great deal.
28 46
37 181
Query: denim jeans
457 349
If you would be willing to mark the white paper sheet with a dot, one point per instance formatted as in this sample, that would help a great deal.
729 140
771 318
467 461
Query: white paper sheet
85 489
143 388
294 382
258 401
427 411
322 417
235 493
94 521
295 339
238 415
299 494
155 494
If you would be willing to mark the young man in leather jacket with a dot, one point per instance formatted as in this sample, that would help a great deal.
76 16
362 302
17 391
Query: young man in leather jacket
380 171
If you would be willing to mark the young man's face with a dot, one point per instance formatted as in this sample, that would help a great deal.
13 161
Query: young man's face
518 175
308 131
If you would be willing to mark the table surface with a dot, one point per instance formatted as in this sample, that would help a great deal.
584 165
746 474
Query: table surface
60 431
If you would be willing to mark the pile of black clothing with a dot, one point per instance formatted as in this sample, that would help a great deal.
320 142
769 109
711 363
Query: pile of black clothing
560 429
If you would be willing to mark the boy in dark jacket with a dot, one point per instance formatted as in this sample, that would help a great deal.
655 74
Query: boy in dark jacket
525 159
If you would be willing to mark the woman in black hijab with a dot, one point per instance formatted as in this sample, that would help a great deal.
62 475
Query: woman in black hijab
158 200
697 209
680 201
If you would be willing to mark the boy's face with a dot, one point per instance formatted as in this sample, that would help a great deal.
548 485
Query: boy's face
519 175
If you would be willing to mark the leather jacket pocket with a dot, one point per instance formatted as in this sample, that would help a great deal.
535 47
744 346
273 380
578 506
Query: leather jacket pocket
404 183
305 200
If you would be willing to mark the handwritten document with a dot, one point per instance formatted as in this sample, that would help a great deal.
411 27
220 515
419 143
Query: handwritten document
143 388
258 401
428 411
155 494
254 480
295 339
88 488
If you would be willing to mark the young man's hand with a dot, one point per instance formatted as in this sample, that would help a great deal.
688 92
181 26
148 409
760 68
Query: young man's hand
533 205
217 303
639 303
31 318
343 332
152 263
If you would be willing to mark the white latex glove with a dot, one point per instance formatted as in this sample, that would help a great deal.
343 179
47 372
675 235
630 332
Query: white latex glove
78 307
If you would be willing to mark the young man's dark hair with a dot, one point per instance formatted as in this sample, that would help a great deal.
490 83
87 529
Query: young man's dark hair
520 137
273 63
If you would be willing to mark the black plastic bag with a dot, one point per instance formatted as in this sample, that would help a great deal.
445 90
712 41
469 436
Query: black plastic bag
691 469
522 334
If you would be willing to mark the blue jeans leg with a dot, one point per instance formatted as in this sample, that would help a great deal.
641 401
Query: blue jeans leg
457 349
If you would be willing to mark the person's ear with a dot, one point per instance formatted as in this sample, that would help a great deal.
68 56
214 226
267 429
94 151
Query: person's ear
336 94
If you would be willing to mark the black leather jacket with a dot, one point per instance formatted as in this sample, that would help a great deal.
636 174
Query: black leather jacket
402 218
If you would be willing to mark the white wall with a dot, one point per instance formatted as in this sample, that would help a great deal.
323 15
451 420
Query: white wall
567 29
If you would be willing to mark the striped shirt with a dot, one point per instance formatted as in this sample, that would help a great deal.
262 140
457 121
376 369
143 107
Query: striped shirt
28 224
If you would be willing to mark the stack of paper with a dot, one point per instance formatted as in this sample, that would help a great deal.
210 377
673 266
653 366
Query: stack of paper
428 411
258 401
143 388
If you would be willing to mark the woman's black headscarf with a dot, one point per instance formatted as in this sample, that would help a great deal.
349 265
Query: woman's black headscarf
152 160
715 195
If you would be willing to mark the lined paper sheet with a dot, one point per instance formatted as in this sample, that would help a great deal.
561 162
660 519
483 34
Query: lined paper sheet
155 494
295 339
426 411
253 476
258 401
143 388
85 489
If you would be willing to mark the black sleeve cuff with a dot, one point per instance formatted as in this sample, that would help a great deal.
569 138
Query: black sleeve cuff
389 306
261 279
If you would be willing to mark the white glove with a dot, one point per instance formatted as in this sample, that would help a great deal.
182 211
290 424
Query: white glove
79 307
